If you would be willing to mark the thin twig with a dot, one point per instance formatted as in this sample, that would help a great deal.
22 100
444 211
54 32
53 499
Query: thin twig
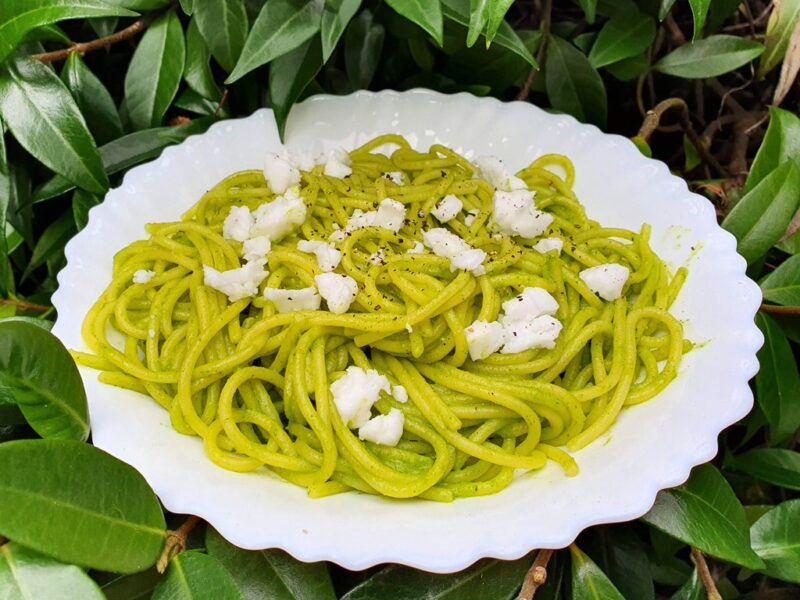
536 576
705 575
22 305
540 53
222 102
774 309
175 543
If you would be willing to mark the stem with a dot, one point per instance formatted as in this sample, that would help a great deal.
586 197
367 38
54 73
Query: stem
780 310
22 305
705 575
175 542
540 53
536 576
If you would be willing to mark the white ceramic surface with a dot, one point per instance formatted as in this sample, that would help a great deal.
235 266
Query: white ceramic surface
651 447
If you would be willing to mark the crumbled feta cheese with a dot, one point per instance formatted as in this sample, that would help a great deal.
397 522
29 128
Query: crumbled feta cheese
383 429
471 216
236 283
355 392
494 171
484 338
548 244
376 258
338 290
606 280
449 245
280 217
395 177
469 260
337 237
447 208
338 164
400 394
328 257
303 160
237 224
540 332
291 300
418 248
143 276
514 214
390 215
280 173
531 303
256 249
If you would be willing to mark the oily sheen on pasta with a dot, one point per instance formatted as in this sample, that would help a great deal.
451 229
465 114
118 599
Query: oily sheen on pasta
402 323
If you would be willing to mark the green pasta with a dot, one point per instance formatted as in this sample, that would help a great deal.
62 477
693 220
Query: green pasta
256 383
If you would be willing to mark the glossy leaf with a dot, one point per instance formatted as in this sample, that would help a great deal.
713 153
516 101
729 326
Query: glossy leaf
425 13
719 11
692 589
197 70
620 554
195 576
155 72
51 242
28 575
40 112
18 17
782 286
93 99
573 84
82 201
589 9
699 14
497 16
281 26
138 586
623 36
291 74
38 374
777 382
781 143
705 513
6 275
664 8
223 24
363 43
79 505
759 219
783 21
187 6
478 18
776 539
104 26
709 57
588 581
335 18
777 466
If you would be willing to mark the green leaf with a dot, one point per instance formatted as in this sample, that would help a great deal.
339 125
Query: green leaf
82 201
271 574
104 26
781 143
705 513
777 466
664 8
195 576
610 8
478 17
692 589
38 374
79 505
223 24
620 554
573 84
281 26
782 22
289 76
362 49
699 14
777 382
776 539
589 9
18 17
782 286
40 112
488 579
197 70
709 57
47 33
155 72
691 156
458 12
51 242
6 273
497 16
719 12
191 101
138 586
93 99
27 575
187 6
623 36
425 13
588 581
759 219
335 18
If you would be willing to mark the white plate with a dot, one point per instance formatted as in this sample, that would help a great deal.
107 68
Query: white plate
651 447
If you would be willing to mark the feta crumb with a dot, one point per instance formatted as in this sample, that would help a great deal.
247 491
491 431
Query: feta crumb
280 217
395 177
548 244
291 300
606 280
409 327
540 332
143 276
383 429
484 338
390 215
469 260
418 248
462 256
237 224
236 283
531 303
355 392
514 214
256 249
494 171
328 257
471 216
338 164
337 237
280 173
400 394
338 290
447 208
304 161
